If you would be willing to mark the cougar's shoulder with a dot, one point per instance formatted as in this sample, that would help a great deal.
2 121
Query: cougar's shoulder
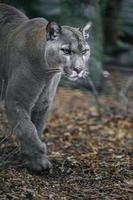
34 31
10 18
30 38
15 25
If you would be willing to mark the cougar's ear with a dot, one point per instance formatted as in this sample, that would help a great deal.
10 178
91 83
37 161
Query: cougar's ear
53 31
85 30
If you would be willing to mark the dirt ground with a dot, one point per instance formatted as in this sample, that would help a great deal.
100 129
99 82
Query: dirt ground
92 155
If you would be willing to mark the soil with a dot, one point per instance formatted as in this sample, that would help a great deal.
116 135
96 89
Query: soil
92 154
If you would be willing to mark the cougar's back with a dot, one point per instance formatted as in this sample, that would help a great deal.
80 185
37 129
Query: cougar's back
10 19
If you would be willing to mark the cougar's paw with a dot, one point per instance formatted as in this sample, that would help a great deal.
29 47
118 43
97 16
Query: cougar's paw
39 164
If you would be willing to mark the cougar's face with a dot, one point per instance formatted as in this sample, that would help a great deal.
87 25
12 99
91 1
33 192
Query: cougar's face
70 51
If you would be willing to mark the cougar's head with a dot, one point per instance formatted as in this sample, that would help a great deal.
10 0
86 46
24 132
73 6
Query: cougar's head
67 48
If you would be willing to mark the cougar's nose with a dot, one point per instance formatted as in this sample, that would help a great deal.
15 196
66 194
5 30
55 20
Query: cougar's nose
78 69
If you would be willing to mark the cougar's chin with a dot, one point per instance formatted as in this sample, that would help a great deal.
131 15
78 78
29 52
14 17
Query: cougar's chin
70 74
74 75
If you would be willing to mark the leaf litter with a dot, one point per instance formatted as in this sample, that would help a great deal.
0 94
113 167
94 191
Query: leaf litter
92 156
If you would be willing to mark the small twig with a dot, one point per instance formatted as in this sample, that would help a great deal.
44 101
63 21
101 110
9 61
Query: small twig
62 166
14 151
5 138
95 94
120 93
13 130
8 136
123 92
129 82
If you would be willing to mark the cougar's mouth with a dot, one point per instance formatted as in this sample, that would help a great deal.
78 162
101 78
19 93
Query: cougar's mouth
74 75
70 74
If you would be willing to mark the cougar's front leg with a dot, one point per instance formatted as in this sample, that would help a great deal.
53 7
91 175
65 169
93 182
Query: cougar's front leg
43 105
39 117
18 101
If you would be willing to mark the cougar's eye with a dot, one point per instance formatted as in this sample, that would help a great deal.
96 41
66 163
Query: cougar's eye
66 51
85 51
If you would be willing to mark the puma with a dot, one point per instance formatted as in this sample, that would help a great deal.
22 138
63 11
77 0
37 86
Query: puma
33 55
